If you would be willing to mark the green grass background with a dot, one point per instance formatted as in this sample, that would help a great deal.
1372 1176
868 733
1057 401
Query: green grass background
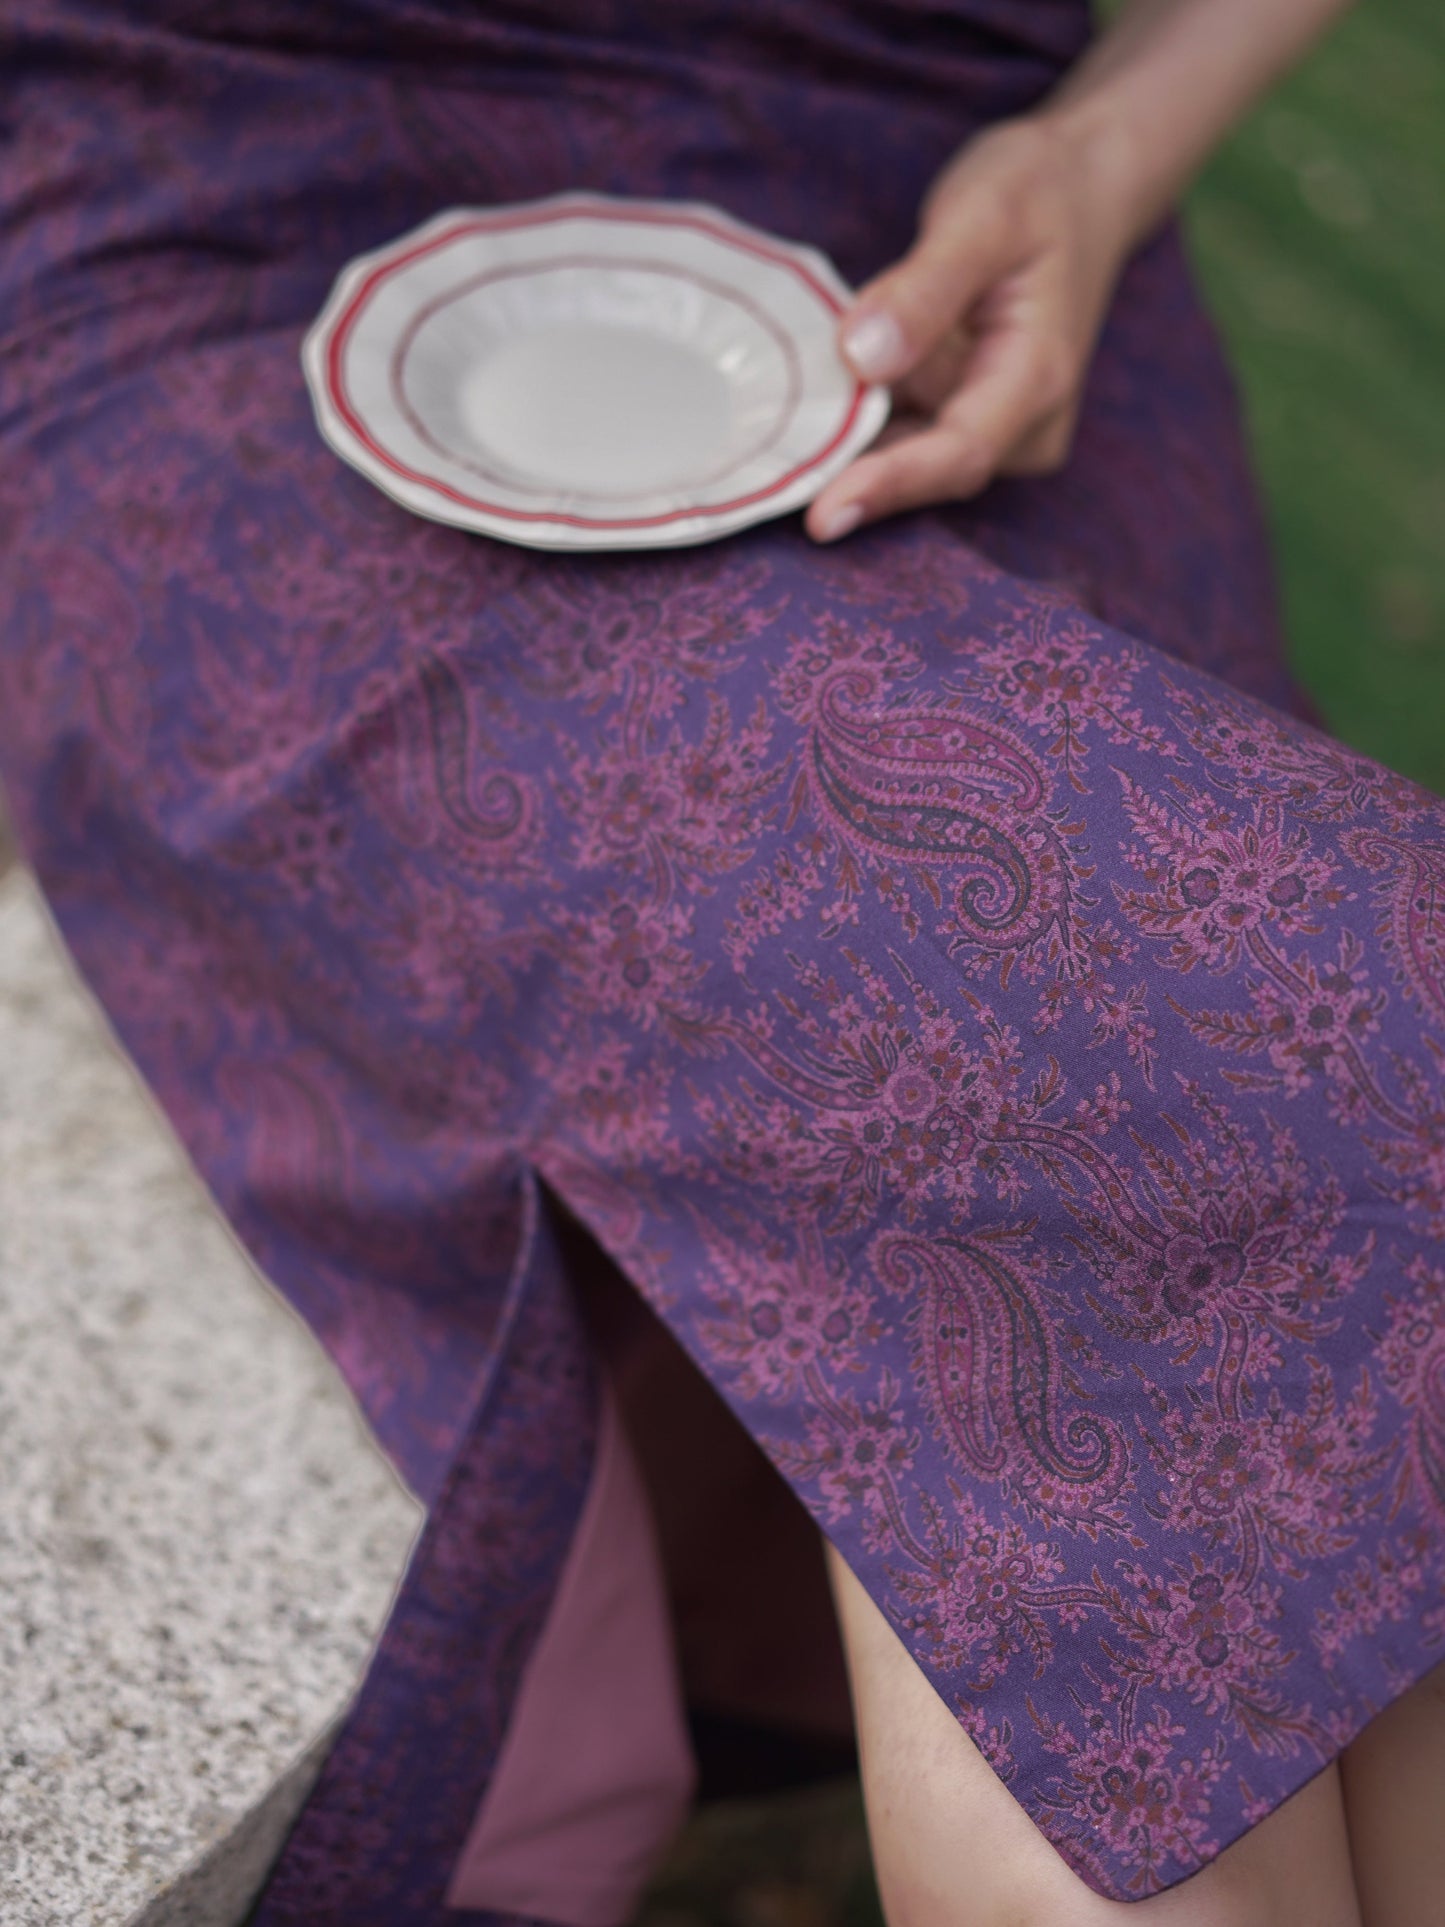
1319 233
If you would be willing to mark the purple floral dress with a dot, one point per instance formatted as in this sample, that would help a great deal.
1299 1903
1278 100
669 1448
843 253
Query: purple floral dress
999 1040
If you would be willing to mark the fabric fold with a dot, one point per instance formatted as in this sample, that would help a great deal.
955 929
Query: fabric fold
596 1772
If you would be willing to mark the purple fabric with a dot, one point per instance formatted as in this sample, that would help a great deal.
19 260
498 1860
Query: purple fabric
1006 1055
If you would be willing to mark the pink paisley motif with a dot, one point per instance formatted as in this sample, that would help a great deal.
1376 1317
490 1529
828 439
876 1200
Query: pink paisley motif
942 736
985 1351
296 1145
416 750
957 802
1411 897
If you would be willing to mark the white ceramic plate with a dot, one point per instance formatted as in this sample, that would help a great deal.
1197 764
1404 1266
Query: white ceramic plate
586 373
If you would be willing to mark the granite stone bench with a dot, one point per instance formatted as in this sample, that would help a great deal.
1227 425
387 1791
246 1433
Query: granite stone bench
198 1538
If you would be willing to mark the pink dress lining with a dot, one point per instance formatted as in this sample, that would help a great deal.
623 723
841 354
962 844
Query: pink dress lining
596 1772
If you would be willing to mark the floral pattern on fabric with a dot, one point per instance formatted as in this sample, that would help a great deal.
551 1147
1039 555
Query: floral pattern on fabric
1007 1056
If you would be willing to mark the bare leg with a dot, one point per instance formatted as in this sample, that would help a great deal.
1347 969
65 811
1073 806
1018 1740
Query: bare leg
953 1848
1394 1786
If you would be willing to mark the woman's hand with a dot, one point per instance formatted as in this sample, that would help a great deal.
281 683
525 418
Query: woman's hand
986 327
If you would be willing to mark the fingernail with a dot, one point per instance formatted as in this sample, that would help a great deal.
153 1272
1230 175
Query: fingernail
874 344
841 522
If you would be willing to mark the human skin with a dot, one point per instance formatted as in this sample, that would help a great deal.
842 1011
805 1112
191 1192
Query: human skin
986 327
1393 1778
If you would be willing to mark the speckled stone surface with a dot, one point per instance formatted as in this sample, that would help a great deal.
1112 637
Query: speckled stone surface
198 1539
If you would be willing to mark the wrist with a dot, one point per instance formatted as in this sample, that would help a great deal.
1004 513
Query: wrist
1119 173
1161 85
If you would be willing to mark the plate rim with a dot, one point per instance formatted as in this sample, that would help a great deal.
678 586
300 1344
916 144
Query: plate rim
340 424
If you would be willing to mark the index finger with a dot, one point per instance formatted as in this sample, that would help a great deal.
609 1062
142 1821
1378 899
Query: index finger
898 319
1007 390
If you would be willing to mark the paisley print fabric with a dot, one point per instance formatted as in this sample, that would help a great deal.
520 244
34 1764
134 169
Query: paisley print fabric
1004 1048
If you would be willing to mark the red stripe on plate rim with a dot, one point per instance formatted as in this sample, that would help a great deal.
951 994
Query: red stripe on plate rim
345 323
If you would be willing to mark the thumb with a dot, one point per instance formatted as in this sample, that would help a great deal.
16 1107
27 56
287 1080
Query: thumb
898 319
